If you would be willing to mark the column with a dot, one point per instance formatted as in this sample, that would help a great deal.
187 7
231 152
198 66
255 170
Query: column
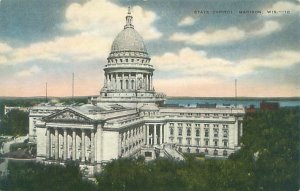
56 144
241 129
146 135
105 79
48 144
74 145
160 134
129 81
154 135
146 82
123 82
150 82
136 81
65 144
82 145
92 146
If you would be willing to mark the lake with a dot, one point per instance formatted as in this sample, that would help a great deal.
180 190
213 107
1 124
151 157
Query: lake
228 101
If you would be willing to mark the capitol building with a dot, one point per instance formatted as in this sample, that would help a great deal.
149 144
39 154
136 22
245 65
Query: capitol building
129 118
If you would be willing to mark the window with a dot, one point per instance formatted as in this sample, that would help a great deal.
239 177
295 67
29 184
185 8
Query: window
197 132
225 143
171 131
206 115
197 125
216 132
225 133
216 125
179 124
188 150
180 131
126 60
188 132
188 125
121 60
206 125
180 149
132 60
215 152
206 142
171 124
197 142
206 133
225 153
197 150
188 141
180 140
206 151
225 126
216 143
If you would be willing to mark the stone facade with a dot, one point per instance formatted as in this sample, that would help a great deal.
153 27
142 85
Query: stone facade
130 119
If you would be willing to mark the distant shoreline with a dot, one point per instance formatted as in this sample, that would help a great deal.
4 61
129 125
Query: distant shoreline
168 97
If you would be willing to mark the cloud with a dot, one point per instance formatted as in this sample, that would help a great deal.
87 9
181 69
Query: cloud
186 21
107 19
4 48
93 29
227 35
279 59
75 48
268 28
191 62
29 72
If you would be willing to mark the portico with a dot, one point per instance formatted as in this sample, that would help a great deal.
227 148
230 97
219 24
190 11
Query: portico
154 134
70 144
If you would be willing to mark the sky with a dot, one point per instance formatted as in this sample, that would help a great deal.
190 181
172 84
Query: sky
198 48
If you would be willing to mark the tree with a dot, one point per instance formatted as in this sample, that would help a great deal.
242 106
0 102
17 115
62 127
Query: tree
15 123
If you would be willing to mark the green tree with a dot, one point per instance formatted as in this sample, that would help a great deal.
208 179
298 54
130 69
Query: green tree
15 123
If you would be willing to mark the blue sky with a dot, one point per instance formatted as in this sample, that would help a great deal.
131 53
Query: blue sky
197 47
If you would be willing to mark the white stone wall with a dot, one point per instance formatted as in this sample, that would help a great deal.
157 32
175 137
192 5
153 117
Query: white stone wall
110 145
98 144
41 142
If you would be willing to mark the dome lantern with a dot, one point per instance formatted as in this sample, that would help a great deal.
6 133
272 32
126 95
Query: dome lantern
128 20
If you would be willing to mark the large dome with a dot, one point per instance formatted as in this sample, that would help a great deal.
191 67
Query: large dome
128 40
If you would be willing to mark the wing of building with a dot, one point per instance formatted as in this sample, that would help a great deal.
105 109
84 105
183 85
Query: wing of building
130 119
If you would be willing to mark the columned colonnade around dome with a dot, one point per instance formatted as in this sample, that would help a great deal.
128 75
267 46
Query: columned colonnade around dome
128 81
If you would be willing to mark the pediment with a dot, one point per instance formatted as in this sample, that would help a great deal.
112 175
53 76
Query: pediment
68 115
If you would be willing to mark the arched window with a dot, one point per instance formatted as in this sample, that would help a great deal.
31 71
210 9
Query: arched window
188 132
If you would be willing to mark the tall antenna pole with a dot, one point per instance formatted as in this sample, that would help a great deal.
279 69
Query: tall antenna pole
235 83
46 92
73 86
